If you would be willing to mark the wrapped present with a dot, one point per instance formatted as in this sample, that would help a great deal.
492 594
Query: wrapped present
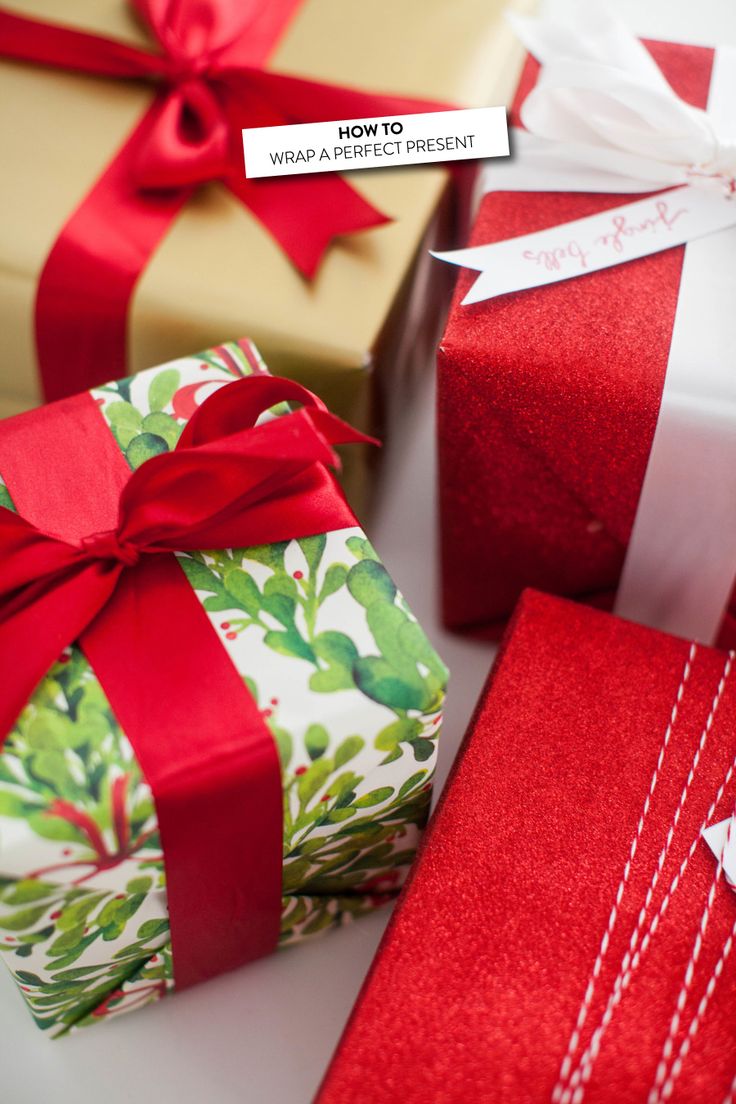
585 427
206 753
566 932
351 315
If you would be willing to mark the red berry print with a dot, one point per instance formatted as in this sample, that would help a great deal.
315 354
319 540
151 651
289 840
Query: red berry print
325 797
298 574
55 915
66 851
225 625
231 636
266 712
274 701
300 770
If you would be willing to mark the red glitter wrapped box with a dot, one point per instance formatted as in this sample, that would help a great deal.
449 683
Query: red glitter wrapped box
566 933
548 404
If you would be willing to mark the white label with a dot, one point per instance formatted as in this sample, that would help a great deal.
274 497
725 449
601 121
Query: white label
376 143
717 836
599 241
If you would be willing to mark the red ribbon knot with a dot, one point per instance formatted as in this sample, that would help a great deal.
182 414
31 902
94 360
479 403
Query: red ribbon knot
109 546
180 70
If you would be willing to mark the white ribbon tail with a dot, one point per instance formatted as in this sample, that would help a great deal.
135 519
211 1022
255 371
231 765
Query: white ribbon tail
681 561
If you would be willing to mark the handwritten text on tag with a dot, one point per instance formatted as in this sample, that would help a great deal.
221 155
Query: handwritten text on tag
598 241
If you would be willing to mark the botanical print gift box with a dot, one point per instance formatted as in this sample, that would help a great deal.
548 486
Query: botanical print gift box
566 934
585 426
207 754
351 316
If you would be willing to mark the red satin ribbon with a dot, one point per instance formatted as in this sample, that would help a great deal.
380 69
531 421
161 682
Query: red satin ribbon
198 735
210 85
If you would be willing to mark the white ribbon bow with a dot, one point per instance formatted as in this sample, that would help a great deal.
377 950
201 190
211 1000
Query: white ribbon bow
602 117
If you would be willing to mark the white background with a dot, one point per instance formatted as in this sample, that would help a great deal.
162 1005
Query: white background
264 1034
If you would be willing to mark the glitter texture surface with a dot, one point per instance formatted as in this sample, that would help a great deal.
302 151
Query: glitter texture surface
476 987
548 402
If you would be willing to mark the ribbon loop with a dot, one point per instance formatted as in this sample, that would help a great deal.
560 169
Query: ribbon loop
232 410
187 31
603 118
188 142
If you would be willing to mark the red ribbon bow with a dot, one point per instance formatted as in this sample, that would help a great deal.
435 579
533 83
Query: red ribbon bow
229 483
196 730
211 83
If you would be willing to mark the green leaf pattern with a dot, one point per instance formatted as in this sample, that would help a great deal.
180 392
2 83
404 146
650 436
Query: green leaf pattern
344 678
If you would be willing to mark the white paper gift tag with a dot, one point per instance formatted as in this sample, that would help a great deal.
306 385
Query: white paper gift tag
598 241
717 838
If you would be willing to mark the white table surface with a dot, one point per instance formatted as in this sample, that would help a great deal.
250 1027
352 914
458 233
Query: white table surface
264 1034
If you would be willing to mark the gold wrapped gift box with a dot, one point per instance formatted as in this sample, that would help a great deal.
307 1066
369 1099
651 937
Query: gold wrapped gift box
357 331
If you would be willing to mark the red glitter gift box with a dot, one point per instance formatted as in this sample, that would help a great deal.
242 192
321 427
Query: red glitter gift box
566 933
548 404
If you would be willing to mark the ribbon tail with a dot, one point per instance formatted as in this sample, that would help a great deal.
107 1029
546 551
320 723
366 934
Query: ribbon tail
89 276
239 406
475 257
34 635
338 432
594 33
305 214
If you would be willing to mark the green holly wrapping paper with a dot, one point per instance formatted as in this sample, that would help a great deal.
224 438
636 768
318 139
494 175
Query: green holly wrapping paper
346 681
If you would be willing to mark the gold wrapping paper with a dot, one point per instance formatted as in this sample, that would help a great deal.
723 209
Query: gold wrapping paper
353 333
